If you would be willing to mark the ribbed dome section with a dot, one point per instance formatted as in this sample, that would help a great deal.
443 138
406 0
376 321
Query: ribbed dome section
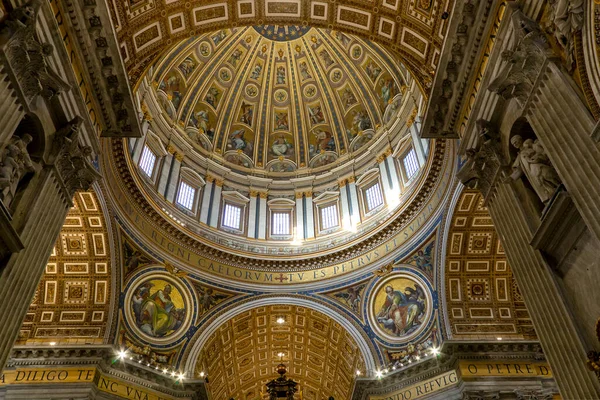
279 100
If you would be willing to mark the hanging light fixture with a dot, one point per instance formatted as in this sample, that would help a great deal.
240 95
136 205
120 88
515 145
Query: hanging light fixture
282 387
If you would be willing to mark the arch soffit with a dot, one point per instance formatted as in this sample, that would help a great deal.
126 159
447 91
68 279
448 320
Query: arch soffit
357 335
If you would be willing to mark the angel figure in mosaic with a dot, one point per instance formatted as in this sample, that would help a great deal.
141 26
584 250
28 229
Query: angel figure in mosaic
351 297
208 299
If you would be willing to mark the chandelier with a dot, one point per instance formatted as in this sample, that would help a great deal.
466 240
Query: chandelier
282 387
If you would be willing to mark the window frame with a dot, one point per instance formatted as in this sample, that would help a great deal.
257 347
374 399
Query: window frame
234 199
406 180
285 206
195 196
153 172
366 181
321 202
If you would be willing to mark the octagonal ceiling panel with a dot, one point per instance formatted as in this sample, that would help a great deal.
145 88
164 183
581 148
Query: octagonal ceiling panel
279 98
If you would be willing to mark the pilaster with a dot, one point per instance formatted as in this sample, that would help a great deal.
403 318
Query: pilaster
215 203
252 215
310 225
553 322
299 232
206 196
173 178
262 216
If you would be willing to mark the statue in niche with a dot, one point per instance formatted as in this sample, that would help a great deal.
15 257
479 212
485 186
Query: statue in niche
533 162
14 164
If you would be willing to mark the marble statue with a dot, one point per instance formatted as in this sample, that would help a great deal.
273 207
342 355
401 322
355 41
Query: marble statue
14 164
533 162
566 20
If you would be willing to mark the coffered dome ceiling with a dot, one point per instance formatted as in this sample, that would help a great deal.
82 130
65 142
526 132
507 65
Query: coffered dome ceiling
279 99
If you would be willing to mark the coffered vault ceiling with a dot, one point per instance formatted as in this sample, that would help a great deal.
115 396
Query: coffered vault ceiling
72 304
242 354
280 98
413 29
482 296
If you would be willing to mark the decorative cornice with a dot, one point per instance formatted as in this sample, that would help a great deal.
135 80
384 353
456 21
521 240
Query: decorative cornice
231 258
468 24
104 66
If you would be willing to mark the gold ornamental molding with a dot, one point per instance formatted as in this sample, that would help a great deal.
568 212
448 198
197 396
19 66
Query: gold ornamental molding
413 30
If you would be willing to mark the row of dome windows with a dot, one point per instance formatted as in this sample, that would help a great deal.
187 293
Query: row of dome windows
235 212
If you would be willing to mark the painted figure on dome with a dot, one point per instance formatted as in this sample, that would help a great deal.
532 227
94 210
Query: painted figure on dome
239 143
187 66
218 38
348 97
247 114
388 91
201 120
316 115
281 121
325 141
281 147
212 97
327 60
256 71
235 57
373 70
304 71
281 75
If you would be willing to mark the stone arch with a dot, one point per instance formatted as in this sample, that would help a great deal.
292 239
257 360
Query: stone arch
357 334
309 337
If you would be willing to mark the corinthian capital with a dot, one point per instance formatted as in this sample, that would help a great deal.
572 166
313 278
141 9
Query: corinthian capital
26 55
484 160
71 159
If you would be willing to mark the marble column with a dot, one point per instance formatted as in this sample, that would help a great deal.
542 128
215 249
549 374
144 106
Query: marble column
310 218
206 197
252 215
213 218
38 218
553 323
263 218
563 125
173 179
299 232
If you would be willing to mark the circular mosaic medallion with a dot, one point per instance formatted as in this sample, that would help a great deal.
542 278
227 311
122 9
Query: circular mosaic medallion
225 74
281 96
356 52
335 75
158 308
400 307
251 90
310 91
204 49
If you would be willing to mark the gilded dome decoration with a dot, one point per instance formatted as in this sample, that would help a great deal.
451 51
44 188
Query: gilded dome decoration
279 100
